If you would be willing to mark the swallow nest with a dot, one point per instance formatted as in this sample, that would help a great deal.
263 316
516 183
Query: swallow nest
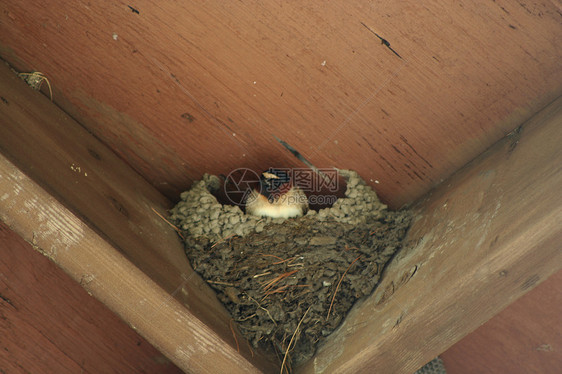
270 272
200 214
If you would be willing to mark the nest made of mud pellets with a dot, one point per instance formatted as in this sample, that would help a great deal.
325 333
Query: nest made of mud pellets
270 272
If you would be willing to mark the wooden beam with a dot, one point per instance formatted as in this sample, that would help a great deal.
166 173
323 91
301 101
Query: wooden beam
49 323
113 279
84 208
482 239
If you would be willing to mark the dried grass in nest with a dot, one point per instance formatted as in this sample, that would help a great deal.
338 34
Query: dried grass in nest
35 80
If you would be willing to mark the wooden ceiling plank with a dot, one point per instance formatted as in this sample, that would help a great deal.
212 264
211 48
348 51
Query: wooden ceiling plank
180 89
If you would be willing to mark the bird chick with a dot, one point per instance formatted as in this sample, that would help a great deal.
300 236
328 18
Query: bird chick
277 197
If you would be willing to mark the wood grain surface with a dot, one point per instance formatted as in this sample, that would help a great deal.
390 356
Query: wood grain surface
178 89
526 337
488 235
49 323
90 213
167 324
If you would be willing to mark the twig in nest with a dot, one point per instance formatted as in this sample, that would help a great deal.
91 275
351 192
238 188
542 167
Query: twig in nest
270 284
371 233
168 222
278 290
338 286
279 258
221 283
247 318
234 334
262 274
266 255
35 80
261 307
289 259
222 240
292 265
283 288
292 338
250 348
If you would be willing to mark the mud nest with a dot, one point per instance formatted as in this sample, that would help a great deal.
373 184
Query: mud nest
269 273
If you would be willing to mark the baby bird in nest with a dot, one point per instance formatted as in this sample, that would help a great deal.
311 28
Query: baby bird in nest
276 196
